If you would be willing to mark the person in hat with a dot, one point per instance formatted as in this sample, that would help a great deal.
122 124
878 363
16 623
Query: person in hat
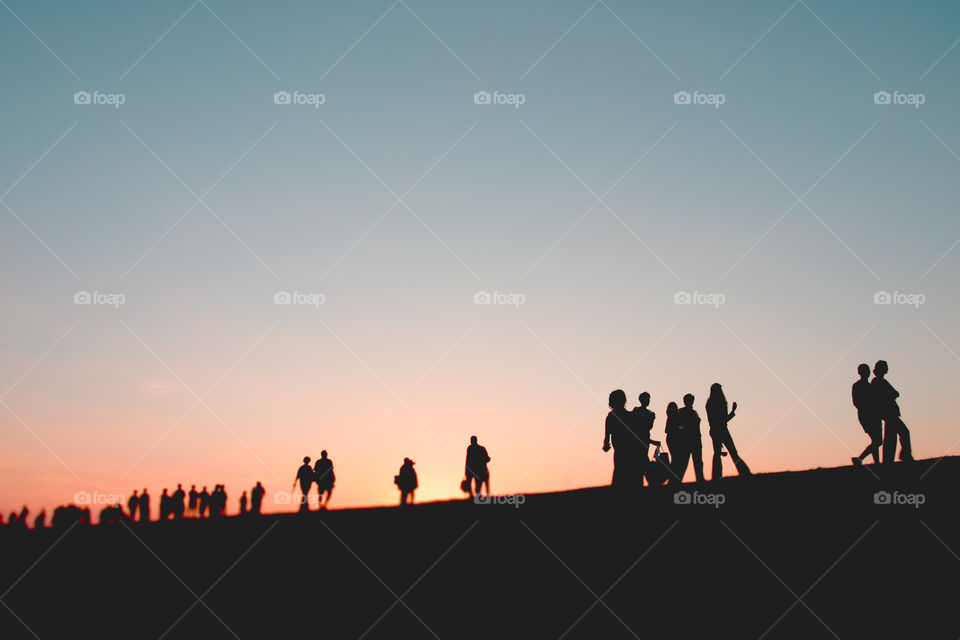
406 481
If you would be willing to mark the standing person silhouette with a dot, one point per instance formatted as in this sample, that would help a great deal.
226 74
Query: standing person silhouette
204 502
144 506
305 477
324 477
193 496
132 505
256 498
617 433
407 482
886 398
693 443
718 418
676 442
178 498
477 472
243 503
641 426
868 415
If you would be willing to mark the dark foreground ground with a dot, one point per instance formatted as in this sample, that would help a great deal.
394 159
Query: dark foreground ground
791 555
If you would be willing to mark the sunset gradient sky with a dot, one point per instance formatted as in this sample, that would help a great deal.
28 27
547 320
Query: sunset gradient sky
399 199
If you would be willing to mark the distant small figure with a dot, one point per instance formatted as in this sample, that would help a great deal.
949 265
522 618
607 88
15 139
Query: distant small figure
478 475
177 502
144 506
325 478
22 517
165 506
112 514
692 447
218 501
12 520
305 477
41 520
642 425
718 418
867 414
256 498
886 398
204 501
194 497
406 481
243 503
676 442
132 505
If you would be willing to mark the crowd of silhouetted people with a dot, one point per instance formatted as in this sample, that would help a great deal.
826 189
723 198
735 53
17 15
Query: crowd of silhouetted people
628 432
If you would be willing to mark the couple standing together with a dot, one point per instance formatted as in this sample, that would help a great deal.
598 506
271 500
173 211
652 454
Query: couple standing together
629 434
879 415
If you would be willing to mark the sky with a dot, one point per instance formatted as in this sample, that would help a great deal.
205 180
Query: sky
656 196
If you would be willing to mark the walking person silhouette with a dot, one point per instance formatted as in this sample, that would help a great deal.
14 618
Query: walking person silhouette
144 506
868 415
676 442
324 477
718 418
305 477
893 426
476 471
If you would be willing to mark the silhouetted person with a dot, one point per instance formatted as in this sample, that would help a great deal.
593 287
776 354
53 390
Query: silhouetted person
675 441
144 506
256 498
886 399
692 446
406 481
305 478
204 501
177 502
111 514
618 433
12 520
218 501
194 496
133 504
718 418
867 414
164 505
477 472
324 477
22 517
243 503
642 425
41 520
